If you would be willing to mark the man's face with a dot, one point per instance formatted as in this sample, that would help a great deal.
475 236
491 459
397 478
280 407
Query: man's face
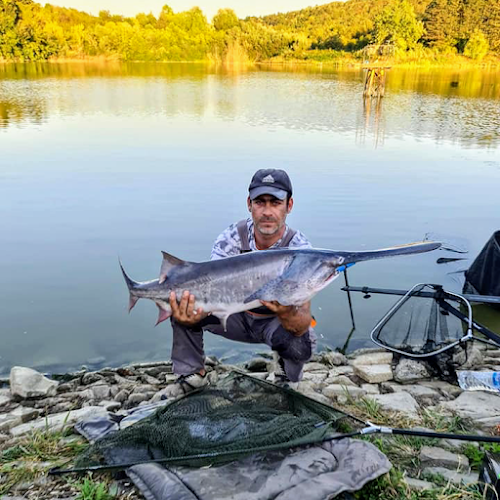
269 213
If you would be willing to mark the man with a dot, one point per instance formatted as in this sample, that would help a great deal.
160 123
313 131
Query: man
286 329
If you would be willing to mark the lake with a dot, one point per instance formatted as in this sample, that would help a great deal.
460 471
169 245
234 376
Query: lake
101 161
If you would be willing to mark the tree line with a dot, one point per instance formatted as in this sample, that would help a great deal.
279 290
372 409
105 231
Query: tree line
31 32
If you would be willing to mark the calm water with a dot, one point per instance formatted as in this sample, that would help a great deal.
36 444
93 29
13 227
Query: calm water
126 160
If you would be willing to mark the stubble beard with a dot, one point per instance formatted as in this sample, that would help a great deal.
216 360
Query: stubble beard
269 231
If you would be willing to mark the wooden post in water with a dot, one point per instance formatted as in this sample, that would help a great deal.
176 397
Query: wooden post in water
375 81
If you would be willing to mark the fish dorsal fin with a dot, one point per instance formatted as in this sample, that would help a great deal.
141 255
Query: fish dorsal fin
169 262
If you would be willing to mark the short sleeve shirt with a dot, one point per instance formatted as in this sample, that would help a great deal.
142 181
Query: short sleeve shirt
228 243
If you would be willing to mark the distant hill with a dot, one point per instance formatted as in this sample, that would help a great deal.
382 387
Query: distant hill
31 32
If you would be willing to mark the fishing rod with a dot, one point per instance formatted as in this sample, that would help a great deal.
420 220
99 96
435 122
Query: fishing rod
366 431
389 291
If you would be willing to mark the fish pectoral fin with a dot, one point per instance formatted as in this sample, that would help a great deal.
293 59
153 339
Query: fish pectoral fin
282 290
169 262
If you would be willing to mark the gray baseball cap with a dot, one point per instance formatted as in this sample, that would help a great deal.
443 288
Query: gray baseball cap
270 181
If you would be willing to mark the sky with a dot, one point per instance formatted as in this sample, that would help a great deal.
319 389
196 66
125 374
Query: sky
209 7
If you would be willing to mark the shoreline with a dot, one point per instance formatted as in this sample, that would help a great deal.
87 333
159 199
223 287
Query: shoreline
449 62
371 384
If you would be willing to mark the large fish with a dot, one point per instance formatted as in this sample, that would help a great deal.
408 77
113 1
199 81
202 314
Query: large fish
239 283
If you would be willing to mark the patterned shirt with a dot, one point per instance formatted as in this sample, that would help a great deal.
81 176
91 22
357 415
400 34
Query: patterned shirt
229 243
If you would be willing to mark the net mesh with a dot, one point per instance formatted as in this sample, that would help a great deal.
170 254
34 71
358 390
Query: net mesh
419 326
239 415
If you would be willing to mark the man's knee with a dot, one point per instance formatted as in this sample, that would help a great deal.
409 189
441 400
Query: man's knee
298 349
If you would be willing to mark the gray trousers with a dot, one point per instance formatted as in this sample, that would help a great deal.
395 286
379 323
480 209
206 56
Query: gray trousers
187 349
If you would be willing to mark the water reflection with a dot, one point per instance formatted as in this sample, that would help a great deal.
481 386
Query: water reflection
456 106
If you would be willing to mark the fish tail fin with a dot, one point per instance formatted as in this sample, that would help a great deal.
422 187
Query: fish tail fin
131 284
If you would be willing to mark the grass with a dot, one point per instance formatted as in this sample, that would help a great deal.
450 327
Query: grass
93 490
34 454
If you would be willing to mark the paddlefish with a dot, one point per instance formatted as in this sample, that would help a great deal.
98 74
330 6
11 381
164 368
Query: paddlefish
227 286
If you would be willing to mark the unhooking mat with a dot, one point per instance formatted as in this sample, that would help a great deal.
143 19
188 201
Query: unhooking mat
317 472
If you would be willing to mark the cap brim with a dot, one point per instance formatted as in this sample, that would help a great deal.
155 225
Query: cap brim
277 193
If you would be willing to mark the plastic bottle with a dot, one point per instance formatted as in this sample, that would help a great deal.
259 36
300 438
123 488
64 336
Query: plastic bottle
479 381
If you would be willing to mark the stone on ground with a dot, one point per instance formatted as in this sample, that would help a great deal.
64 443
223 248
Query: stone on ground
370 388
419 484
398 401
482 407
28 383
375 358
437 457
5 396
409 370
59 421
452 476
424 395
333 391
332 358
374 374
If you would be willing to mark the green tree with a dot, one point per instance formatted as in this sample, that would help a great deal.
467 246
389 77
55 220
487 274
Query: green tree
442 24
477 46
398 24
225 19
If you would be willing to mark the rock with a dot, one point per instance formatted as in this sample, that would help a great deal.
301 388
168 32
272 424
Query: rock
150 380
59 421
370 388
335 390
452 476
5 396
449 391
135 398
110 405
432 456
374 374
316 396
28 383
91 378
47 402
482 407
258 365
375 358
424 395
312 367
419 484
332 358
466 360
398 401
340 370
409 370
100 392
17 417
143 389
86 395
316 378
365 350
341 380
65 387
3 438
64 406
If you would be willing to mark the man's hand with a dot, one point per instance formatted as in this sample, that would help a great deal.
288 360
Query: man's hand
295 319
184 312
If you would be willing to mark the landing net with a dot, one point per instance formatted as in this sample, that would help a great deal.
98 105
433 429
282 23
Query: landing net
421 326
239 415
